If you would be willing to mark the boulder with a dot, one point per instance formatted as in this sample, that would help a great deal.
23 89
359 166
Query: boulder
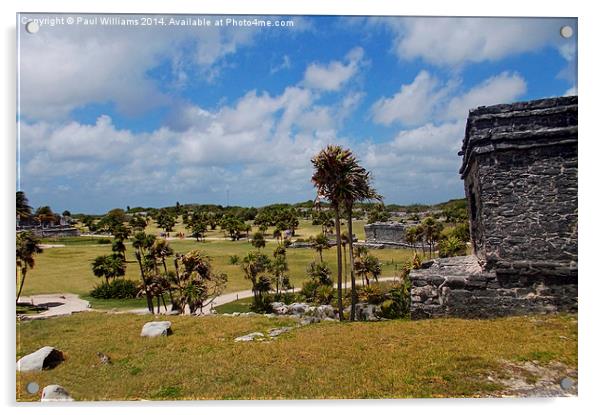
366 312
45 358
298 308
279 308
249 337
325 311
55 393
156 328
278 331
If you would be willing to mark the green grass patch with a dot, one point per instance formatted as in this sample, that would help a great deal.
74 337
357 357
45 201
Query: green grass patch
115 303
200 360
67 269
239 306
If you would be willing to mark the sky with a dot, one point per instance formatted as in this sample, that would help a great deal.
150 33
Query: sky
113 115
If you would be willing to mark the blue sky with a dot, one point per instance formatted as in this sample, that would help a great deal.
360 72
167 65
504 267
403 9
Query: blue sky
111 116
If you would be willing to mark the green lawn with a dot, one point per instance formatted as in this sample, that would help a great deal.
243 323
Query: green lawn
67 269
390 359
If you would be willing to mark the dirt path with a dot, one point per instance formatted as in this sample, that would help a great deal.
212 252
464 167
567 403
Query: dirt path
62 304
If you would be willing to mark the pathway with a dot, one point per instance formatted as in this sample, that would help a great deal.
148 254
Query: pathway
62 304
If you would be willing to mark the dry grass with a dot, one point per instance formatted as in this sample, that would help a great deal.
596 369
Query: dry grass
393 359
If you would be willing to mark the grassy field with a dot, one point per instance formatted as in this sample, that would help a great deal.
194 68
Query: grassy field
67 269
390 359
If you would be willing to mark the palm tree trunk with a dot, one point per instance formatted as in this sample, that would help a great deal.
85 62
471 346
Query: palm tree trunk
149 297
23 273
337 224
345 264
351 265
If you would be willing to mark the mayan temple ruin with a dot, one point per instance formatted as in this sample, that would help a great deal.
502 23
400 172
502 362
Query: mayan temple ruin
519 166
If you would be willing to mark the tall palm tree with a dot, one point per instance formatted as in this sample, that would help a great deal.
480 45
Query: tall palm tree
331 167
359 189
27 247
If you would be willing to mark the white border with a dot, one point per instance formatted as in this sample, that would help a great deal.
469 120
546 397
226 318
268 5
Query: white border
589 186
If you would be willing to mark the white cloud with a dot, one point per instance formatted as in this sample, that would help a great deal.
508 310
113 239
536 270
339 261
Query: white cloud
571 91
414 103
428 99
65 67
458 41
260 145
503 88
285 64
334 75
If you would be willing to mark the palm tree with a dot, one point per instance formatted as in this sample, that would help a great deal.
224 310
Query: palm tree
141 243
23 208
411 237
432 232
339 178
320 242
367 265
27 247
258 240
331 167
108 266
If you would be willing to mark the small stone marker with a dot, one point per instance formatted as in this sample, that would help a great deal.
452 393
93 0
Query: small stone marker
156 329
55 393
45 358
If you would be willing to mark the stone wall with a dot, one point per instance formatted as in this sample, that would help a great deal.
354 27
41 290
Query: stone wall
520 174
459 287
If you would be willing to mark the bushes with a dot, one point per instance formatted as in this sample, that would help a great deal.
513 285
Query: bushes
451 246
104 241
118 288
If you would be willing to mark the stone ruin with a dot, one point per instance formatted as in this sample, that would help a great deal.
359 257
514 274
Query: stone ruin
519 168
385 233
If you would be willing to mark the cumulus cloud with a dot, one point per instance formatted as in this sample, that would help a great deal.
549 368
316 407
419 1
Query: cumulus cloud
458 41
65 67
414 103
427 98
260 145
503 88
334 75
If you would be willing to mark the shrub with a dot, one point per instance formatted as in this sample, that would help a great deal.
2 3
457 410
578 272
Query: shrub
309 289
451 246
234 259
104 241
118 288
324 294
372 294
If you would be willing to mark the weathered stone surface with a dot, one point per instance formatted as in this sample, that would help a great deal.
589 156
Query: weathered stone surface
298 308
278 331
387 234
55 393
45 358
520 176
249 337
367 312
156 328
476 294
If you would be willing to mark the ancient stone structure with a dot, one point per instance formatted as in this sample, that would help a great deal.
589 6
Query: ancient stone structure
520 174
385 232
